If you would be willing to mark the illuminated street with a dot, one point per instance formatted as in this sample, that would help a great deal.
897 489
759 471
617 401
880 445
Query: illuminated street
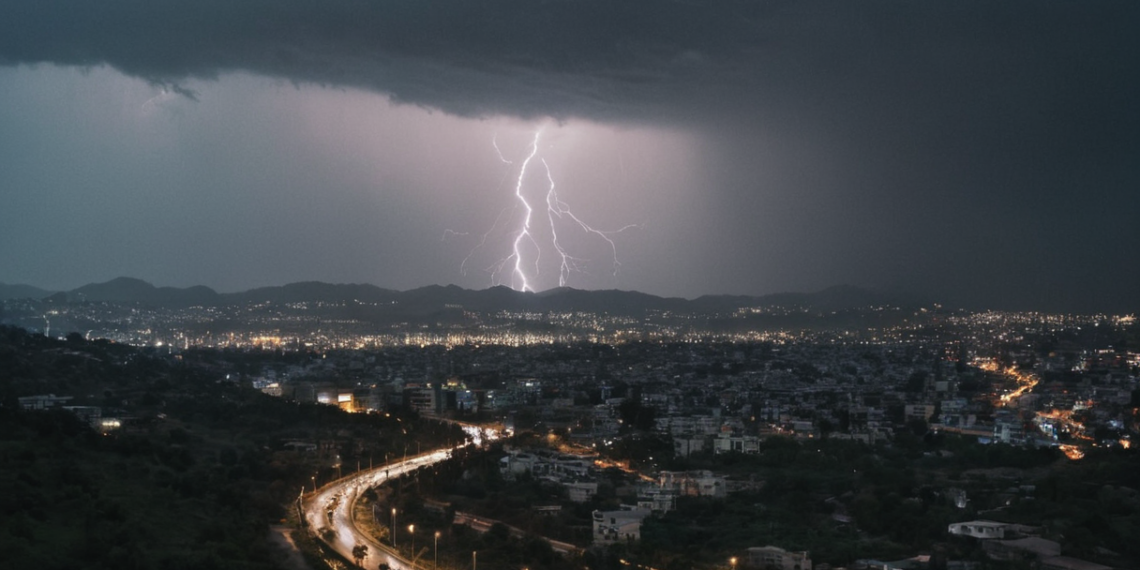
331 506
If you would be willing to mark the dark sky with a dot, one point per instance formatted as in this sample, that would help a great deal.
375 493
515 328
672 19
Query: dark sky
977 153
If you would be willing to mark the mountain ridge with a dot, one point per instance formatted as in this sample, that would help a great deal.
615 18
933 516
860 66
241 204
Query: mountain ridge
433 298
21 291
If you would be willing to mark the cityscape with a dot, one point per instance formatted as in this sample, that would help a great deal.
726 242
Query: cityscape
610 430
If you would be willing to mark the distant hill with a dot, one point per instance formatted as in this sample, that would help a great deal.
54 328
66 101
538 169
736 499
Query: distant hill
22 292
435 299
131 290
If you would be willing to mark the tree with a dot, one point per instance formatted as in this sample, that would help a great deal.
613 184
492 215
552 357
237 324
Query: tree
916 383
359 553
636 416
826 427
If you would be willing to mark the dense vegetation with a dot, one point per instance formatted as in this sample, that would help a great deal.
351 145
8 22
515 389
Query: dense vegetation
194 477
172 500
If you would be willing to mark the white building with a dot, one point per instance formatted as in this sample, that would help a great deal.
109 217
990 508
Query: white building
581 492
684 446
43 401
725 443
693 483
616 526
657 499
979 529
776 558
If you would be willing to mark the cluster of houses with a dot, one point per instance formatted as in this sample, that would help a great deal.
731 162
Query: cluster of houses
1014 542
727 397
92 415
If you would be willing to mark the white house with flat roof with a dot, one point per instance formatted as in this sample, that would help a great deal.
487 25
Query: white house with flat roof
979 529
776 558
617 526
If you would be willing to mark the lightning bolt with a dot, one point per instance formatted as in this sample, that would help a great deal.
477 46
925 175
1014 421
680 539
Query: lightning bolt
558 213
495 143
524 232
483 241
553 208
448 234
151 105
556 207
498 219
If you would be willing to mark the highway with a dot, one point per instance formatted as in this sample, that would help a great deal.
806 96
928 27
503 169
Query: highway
331 505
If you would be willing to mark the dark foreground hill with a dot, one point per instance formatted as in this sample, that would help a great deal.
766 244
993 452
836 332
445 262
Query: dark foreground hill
191 478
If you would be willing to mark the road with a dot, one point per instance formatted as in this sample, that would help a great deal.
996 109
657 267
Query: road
482 525
331 505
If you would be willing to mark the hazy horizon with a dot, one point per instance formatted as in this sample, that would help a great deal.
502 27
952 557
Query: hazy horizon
905 298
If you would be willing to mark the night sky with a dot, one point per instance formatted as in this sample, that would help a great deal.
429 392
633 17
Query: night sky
984 154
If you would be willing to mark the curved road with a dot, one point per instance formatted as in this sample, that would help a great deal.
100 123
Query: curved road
331 505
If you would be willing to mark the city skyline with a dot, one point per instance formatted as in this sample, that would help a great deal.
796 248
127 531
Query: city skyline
977 155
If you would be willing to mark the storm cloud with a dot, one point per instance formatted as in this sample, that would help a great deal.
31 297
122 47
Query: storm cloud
983 152
626 60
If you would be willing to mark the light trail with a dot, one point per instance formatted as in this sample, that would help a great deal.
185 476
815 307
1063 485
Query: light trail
330 508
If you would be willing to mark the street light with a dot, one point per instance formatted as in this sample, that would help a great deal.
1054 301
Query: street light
435 566
473 560
412 530
314 478
732 562
393 528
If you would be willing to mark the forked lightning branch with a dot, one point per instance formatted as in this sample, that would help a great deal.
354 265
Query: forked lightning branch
520 264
